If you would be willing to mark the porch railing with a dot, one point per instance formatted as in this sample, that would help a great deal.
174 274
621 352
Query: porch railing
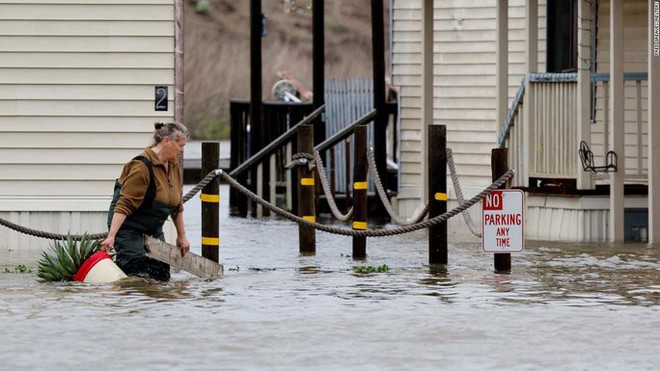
547 147
635 158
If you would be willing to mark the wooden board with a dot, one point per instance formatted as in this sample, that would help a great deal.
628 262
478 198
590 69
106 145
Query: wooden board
191 262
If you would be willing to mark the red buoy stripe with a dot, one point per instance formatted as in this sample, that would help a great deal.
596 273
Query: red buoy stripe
89 264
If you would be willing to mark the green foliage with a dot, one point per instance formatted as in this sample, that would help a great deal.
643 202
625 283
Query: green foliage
371 269
64 258
21 268
337 26
216 129
203 7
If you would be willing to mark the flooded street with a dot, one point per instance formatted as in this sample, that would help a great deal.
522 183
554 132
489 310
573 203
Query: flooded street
564 306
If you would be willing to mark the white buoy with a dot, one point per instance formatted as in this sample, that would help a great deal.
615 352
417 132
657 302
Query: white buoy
99 268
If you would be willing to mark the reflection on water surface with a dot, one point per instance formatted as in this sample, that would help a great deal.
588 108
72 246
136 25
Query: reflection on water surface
564 306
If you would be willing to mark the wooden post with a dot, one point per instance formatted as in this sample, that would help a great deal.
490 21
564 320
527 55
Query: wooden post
210 197
347 173
306 192
360 191
318 66
258 134
499 164
617 120
378 62
437 196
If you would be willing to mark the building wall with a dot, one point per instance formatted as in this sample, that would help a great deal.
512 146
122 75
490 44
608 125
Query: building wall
464 85
77 82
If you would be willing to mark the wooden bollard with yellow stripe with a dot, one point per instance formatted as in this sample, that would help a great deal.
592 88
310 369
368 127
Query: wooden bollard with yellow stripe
306 193
437 188
210 198
360 169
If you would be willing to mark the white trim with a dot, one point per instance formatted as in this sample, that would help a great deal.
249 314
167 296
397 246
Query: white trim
48 204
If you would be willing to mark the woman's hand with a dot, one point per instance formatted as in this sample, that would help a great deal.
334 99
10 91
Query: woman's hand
108 244
184 244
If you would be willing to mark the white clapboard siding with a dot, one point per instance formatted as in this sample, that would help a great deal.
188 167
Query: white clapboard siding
10 188
65 60
77 92
88 156
77 82
464 83
85 11
73 124
44 140
75 221
26 27
62 172
64 76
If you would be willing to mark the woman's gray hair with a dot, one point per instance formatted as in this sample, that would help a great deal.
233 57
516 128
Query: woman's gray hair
173 130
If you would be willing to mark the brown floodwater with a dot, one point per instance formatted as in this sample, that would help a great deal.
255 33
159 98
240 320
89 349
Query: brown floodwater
564 306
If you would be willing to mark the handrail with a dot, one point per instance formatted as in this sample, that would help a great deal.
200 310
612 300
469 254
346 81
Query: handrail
506 125
269 149
345 132
627 76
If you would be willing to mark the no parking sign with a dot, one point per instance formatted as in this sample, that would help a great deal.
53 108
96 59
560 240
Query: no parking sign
503 221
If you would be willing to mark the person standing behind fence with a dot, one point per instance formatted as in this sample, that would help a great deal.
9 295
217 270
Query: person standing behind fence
148 191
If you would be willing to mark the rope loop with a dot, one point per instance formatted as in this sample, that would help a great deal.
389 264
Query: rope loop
99 236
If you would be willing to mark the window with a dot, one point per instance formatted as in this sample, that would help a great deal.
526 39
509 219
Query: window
561 55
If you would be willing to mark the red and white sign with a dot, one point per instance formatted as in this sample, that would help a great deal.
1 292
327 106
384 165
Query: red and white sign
503 221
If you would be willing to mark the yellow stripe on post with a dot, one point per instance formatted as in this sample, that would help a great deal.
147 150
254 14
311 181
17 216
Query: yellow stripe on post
211 241
307 181
359 225
441 196
310 218
360 185
209 198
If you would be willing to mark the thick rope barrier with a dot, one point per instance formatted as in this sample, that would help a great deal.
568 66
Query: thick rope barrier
328 194
49 235
97 236
321 227
418 214
375 232
459 193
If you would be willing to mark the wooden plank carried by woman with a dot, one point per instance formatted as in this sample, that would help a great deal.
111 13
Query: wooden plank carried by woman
191 262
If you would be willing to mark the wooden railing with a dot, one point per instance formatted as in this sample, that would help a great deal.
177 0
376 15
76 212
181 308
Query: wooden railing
553 130
547 147
635 158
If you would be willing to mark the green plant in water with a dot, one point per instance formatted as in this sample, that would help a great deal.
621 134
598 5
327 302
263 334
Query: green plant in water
21 268
203 7
371 269
64 258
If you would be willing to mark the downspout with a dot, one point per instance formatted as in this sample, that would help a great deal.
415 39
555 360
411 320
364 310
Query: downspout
178 68
178 61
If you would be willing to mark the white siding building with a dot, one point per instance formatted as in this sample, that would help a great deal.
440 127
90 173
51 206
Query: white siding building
77 100
455 67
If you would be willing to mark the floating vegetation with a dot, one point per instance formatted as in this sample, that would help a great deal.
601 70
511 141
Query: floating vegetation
255 269
371 269
64 258
21 268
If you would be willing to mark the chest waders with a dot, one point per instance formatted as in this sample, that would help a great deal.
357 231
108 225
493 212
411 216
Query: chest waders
147 219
